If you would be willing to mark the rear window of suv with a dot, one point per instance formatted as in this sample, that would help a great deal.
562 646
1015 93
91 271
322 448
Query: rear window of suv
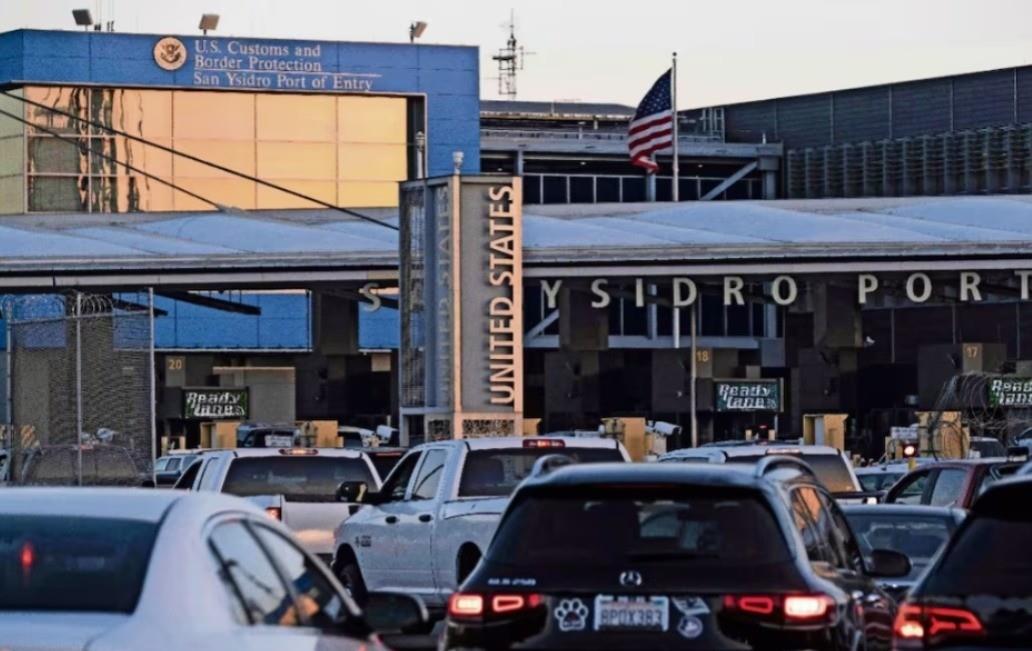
990 556
73 563
831 469
613 526
297 479
496 473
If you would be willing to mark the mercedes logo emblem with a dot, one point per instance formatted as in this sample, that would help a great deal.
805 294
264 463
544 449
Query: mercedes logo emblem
630 579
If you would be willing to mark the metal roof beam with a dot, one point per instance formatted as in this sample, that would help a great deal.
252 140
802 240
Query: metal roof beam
211 302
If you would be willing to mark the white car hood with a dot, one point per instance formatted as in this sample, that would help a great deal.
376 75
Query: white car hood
54 631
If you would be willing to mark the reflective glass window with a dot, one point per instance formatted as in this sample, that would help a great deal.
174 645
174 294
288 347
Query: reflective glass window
72 101
49 155
213 115
10 126
297 160
364 162
144 113
278 118
12 194
371 119
59 193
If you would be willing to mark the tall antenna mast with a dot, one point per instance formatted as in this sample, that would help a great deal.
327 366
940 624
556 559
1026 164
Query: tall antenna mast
510 61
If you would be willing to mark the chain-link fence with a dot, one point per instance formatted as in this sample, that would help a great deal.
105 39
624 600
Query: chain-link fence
81 394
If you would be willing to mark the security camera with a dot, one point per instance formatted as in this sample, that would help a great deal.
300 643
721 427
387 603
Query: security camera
457 158
664 429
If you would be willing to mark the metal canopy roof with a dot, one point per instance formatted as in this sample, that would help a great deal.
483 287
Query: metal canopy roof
955 229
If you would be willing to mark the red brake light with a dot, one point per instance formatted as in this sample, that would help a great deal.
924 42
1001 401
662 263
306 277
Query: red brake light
756 604
916 623
299 452
465 605
806 607
544 443
506 603
783 609
27 556
274 512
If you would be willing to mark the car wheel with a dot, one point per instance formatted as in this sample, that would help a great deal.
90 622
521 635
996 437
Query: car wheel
351 578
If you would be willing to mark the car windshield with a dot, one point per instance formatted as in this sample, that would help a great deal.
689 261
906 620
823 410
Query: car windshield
496 473
607 526
919 537
831 469
73 563
990 557
297 478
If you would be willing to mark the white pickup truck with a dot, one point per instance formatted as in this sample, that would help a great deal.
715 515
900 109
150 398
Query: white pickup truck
425 530
295 485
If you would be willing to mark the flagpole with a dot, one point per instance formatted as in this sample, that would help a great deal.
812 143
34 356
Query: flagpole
673 105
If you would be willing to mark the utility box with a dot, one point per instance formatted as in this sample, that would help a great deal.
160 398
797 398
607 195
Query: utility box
219 434
825 429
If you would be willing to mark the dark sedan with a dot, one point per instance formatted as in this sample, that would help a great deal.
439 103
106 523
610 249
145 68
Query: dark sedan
917 531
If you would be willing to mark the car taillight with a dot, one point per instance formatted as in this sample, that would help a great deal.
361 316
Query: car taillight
467 606
917 624
803 608
793 609
274 512
544 443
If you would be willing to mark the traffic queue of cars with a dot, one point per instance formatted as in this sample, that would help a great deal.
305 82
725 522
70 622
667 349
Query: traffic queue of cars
523 543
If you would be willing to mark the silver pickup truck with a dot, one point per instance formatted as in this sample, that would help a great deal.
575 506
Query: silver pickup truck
295 485
425 530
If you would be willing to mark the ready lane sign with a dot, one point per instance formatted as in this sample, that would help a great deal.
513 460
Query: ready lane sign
1010 392
214 404
747 395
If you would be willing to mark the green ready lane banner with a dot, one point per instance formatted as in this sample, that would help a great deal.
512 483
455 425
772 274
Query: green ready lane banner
747 395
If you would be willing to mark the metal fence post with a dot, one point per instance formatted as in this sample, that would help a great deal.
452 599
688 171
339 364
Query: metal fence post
78 385
153 381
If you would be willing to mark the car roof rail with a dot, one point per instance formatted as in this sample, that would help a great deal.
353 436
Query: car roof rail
774 461
550 463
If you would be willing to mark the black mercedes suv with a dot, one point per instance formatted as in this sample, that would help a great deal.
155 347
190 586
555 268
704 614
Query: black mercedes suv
660 556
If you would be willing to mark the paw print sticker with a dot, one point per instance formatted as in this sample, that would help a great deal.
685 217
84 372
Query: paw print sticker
572 615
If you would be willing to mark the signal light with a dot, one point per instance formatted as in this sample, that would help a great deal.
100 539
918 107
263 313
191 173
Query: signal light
909 451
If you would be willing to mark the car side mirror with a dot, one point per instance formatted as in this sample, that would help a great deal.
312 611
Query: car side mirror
390 613
888 564
352 491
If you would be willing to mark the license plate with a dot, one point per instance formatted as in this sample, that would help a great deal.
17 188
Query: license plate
615 613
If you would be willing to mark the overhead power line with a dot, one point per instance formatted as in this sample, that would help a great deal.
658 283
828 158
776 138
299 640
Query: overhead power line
196 159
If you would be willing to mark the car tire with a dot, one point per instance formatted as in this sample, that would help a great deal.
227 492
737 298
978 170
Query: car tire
351 578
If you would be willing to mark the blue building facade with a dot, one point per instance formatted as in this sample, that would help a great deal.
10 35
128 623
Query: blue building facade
98 122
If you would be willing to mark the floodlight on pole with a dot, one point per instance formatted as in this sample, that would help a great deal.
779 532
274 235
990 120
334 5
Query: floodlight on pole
83 18
208 21
416 30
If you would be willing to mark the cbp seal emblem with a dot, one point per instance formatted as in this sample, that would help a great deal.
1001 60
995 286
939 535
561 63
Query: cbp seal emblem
170 53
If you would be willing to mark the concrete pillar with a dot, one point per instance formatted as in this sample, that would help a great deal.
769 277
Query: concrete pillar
519 162
836 316
581 326
769 167
334 324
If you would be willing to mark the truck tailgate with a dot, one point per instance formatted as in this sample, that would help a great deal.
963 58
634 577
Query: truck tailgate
314 523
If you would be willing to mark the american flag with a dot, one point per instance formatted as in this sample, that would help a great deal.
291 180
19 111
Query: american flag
652 128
